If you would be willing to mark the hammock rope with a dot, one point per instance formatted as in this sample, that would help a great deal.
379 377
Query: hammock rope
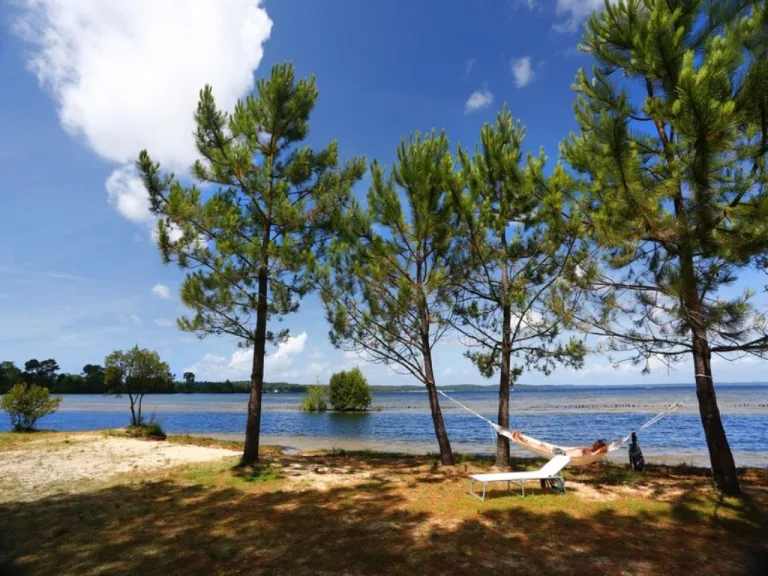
542 448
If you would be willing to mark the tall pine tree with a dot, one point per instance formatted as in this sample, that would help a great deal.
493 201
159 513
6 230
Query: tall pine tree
386 290
513 256
249 236
672 162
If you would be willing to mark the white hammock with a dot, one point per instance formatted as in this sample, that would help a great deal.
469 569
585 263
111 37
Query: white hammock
580 456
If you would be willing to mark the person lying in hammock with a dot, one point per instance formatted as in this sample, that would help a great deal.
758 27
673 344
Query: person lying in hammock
597 446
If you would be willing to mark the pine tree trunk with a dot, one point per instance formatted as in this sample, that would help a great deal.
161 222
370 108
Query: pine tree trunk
502 442
446 454
720 456
253 425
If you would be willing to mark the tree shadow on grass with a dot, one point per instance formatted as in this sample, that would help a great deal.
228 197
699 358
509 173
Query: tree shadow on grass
164 528
371 528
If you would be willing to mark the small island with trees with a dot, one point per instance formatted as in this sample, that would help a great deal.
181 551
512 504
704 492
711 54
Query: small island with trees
348 391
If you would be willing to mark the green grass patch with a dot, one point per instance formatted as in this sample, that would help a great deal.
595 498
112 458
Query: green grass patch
260 474
204 476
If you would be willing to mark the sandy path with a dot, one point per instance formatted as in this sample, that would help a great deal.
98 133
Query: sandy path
81 459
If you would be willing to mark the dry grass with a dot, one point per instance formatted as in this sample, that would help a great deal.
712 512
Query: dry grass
367 513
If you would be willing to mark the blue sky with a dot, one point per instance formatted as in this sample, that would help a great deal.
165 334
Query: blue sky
87 84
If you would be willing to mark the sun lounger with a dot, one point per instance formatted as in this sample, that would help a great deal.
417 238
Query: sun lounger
550 471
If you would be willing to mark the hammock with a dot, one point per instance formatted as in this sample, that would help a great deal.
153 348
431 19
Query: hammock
580 456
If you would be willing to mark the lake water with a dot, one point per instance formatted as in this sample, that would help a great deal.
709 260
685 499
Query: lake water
566 415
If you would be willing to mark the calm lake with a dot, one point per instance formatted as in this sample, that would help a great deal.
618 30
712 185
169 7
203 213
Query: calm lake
566 415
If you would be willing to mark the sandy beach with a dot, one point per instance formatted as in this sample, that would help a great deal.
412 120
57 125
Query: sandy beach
76 460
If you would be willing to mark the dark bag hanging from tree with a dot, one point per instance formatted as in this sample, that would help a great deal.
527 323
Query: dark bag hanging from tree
636 460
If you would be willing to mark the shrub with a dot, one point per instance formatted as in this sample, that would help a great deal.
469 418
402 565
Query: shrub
315 400
27 404
146 431
150 430
350 391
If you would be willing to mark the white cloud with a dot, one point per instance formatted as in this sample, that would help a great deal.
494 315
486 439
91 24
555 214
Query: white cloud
575 11
213 367
479 99
161 291
164 322
126 192
126 75
285 354
281 364
522 71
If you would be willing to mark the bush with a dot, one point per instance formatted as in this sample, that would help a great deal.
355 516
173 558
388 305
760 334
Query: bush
27 404
151 430
154 431
315 400
350 391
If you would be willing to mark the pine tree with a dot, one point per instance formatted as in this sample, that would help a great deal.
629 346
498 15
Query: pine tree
672 163
510 304
251 234
386 290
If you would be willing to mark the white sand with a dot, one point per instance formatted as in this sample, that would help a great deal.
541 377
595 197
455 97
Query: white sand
85 458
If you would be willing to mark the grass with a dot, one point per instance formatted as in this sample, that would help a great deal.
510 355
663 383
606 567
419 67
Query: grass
12 440
401 515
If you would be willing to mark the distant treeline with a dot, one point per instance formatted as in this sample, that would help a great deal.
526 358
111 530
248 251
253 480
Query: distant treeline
240 386
46 373
91 381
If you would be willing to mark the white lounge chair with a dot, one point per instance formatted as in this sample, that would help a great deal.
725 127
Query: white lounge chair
550 471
